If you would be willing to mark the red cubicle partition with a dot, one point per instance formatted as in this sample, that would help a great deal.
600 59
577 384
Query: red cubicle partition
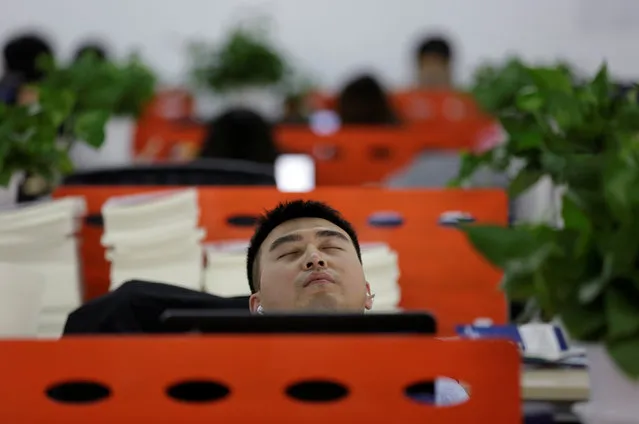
432 120
439 269
238 380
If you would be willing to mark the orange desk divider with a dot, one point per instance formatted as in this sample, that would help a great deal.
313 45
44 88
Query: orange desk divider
141 375
439 269
352 156
168 140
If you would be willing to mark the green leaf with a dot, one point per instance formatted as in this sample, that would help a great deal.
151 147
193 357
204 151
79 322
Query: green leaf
65 164
5 176
518 286
622 311
565 110
516 249
530 100
625 353
90 126
552 79
620 190
525 179
584 322
574 218
600 85
470 163
57 103
526 140
591 289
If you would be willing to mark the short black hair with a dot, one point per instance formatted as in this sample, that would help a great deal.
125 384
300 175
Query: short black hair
435 46
21 56
240 134
363 101
285 212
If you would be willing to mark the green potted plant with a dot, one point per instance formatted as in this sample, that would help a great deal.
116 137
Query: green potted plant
106 98
585 271
29 146
244 70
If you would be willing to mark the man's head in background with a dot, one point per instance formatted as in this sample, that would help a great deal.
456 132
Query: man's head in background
240 134
434 63
21 55
305 256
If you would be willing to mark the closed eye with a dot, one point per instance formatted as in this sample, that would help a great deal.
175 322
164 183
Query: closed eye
295 252
332 248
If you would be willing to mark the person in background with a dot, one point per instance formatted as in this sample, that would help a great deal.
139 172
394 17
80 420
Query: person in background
363 101
434 58
96 49
21 55
240 134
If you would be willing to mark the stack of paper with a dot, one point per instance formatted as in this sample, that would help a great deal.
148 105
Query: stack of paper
225 273
381 267
40 236
21 296
154 237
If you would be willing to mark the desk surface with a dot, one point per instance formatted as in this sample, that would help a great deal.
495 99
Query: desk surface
565 385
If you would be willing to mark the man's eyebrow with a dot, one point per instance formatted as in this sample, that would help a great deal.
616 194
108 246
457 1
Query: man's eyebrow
331 233
289 238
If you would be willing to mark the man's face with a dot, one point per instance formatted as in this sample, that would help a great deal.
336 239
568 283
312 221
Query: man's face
310 264
434 72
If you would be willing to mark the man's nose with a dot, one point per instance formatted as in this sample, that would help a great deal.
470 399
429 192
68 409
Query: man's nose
315 260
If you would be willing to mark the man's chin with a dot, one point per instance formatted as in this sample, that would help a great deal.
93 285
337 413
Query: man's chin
322 302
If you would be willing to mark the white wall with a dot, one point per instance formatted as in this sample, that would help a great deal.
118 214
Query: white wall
334 38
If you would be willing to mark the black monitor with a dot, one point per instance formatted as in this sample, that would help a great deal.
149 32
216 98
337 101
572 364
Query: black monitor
218 321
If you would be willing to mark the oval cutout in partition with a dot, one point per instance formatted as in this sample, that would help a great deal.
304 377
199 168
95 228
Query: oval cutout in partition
317 391
455 218
198 391
386 219
380 152
78 392
441 391
246 221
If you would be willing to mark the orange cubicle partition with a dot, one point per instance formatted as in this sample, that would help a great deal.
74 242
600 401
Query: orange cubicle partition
439 269
353 156
165 126
238 380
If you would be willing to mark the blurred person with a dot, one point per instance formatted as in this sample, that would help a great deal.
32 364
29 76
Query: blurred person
21 55
93 48
363 101
434 59
240 134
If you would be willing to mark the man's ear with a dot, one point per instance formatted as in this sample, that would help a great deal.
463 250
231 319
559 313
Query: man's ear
254 302
369 297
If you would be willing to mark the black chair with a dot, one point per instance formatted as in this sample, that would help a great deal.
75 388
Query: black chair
215 172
